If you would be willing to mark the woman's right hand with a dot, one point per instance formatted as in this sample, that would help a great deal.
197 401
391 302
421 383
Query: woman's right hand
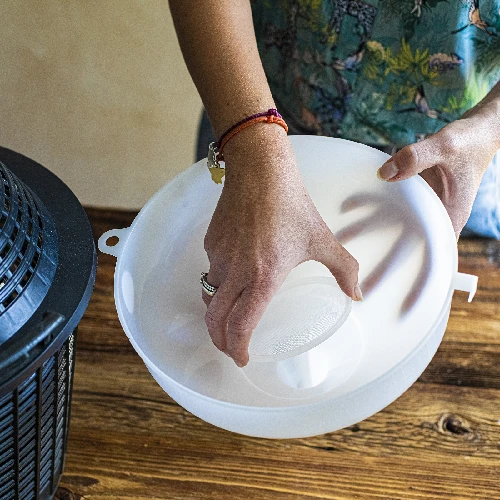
264 225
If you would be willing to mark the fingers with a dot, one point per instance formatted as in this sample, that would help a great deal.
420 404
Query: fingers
412 159
219 308
235 310
341 263
233 313
244 318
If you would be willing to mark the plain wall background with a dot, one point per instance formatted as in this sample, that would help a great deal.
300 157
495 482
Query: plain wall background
97 91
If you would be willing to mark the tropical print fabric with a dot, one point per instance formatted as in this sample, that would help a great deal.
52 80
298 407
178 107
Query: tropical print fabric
386 72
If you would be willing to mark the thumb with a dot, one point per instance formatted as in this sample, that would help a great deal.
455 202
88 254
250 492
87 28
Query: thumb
411 160
342 265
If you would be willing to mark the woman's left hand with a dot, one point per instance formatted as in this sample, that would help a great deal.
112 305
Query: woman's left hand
452 161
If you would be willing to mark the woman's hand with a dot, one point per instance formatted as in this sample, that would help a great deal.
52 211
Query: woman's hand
264 225
452 161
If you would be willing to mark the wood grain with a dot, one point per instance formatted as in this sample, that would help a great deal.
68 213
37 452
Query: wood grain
439 440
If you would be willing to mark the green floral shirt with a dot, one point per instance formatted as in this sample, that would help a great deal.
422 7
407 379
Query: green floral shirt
385 72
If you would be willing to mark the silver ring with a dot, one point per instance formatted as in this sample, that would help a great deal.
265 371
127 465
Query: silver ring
207 288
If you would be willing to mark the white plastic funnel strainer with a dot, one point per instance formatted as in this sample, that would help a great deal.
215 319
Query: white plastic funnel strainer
302 314
405 245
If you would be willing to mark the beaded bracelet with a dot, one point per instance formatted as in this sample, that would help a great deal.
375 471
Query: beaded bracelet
215 148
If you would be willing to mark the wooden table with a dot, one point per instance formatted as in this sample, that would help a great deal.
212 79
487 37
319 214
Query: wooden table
439 440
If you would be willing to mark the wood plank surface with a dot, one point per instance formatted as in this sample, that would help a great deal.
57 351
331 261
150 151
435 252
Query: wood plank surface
439 440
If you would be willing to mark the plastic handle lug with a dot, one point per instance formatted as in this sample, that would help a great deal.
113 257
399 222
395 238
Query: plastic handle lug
113 250
465 283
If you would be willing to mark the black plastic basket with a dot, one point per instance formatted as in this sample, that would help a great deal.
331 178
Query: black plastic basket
47 271
34 420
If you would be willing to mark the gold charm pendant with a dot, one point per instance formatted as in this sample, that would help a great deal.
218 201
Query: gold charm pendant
213 164
217 174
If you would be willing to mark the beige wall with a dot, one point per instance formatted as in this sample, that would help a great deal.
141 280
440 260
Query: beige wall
97 91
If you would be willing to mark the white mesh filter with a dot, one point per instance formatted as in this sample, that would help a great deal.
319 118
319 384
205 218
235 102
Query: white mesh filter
300 316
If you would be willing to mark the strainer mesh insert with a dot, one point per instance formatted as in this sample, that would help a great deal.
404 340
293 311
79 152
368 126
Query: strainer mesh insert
299 318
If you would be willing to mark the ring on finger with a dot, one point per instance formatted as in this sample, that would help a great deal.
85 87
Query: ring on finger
207 287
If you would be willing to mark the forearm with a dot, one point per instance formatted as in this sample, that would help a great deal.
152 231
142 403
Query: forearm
218 43
488 112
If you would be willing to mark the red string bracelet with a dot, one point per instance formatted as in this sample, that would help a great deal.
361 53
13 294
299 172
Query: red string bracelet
215 148
269 112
